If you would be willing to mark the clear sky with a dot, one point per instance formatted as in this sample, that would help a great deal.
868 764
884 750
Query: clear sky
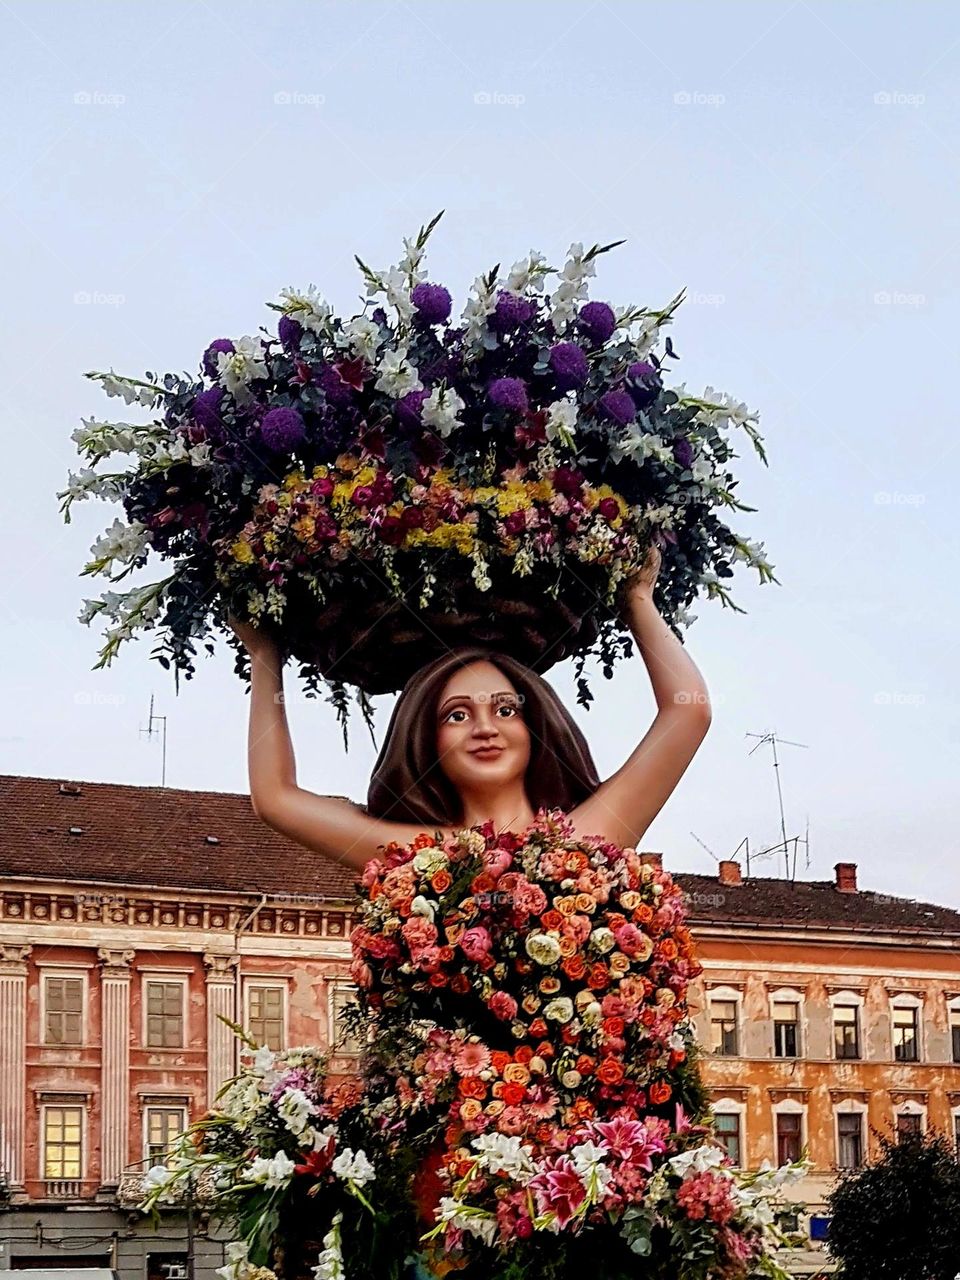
168 169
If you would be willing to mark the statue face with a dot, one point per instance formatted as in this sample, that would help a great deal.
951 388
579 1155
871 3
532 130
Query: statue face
482 736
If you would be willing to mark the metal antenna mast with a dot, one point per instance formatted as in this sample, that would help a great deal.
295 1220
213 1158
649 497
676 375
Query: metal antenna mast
149 731
773 740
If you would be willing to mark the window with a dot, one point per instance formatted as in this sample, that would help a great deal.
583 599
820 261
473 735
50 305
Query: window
165 1015
265 1015
846 1031
850 1139
786 1029
956 1130
342 1042
723 1027
726 1126
62 1010
162 1126
906 1033
955 1033
62 1142
908 1125
789 1136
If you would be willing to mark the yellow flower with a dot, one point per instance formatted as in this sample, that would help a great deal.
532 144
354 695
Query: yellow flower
303 528
347 462
243 552
320 472
270 540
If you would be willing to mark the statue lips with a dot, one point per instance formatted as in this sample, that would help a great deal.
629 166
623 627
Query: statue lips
486 753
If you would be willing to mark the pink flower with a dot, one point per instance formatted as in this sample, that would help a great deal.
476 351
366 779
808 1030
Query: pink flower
630 939
471 1058
503 1006
361 973
497 861
418 933
629 1140
707 1195
558 1189
476 943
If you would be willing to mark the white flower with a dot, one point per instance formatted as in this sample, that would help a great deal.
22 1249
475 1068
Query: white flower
429 860
353 1166
296 1108
441 409
308 309
562 422
422 906
237 1264
158 1175
699 1160
275 1172
526 276
602 940
587 1159
478 1222
559 1009
115 385
572 287
397 375
330 1262
123 542
237 368
480 305
501 1154
542 948
263 1060
363 336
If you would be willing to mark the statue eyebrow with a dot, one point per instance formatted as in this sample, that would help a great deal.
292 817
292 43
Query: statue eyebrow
465 697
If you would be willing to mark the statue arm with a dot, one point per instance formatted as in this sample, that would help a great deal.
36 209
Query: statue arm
623 806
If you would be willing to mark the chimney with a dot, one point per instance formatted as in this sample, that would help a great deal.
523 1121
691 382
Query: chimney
730 872
846 876
654 859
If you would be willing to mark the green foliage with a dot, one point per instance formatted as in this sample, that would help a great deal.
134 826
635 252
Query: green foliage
899 1217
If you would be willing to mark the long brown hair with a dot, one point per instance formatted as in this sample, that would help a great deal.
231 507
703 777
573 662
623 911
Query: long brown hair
408 785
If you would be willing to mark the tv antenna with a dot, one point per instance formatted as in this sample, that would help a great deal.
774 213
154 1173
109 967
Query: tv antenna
773 740
149 731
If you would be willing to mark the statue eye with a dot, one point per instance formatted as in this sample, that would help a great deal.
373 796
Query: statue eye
508 706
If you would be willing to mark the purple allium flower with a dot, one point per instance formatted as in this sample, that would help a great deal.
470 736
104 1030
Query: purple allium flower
509 393
334 387
408 408
432 302
597 321
683 452
210 355
569 365
618 406
206 409
289 331
643 382
511 312
282 429
378 316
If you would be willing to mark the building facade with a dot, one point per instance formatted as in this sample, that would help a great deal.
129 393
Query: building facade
136 924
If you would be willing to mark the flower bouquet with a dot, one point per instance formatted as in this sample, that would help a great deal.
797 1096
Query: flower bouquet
378 488
528 1102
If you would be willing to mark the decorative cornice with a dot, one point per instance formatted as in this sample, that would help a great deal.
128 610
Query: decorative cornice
787 1094
898 1096
849 1095
13 957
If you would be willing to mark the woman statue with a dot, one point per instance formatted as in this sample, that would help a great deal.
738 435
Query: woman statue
476 736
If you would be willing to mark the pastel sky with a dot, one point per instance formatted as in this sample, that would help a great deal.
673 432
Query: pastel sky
792 165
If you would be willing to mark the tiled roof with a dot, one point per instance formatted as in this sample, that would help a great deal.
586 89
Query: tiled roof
158 836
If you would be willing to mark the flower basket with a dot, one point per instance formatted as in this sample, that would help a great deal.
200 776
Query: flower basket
378 488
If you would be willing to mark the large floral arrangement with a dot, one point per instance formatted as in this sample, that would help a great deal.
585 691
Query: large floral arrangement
378 487
528 1100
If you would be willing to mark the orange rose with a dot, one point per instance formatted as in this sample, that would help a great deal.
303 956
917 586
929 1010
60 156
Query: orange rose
551 920
523 1054
516 1073
569 1035
470 1108
598 977
438 979
423 841
616 920
585 1064
568 946
441 880
643 913
545 1049
499 1059
483 883
583 1109
574 967
586 903
566 906
446 954
472 1087
659 1092
610 1071
538 1028
544 1131
667 949
549 985
513 1094
460 984
613 1026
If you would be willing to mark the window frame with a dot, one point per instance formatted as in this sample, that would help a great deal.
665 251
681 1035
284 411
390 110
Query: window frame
859 1111
166 1107
45 1109
152 976
725 995
904 1003
782 996
847 999
69 975
280 984
796 1111
733 1107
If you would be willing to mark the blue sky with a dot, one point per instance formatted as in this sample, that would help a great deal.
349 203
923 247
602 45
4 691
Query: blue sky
792 165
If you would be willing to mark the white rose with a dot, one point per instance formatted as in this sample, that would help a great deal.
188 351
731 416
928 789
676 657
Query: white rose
542 948
559 1010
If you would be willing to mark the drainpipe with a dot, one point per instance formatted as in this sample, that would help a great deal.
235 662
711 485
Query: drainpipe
238 989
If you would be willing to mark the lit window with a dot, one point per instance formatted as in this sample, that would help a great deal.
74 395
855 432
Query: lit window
846 1031
62 1142
165 1015
786 1029
726 1126
906 1033
63 1010
265 1015
850 1140
723 1027
163 1125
